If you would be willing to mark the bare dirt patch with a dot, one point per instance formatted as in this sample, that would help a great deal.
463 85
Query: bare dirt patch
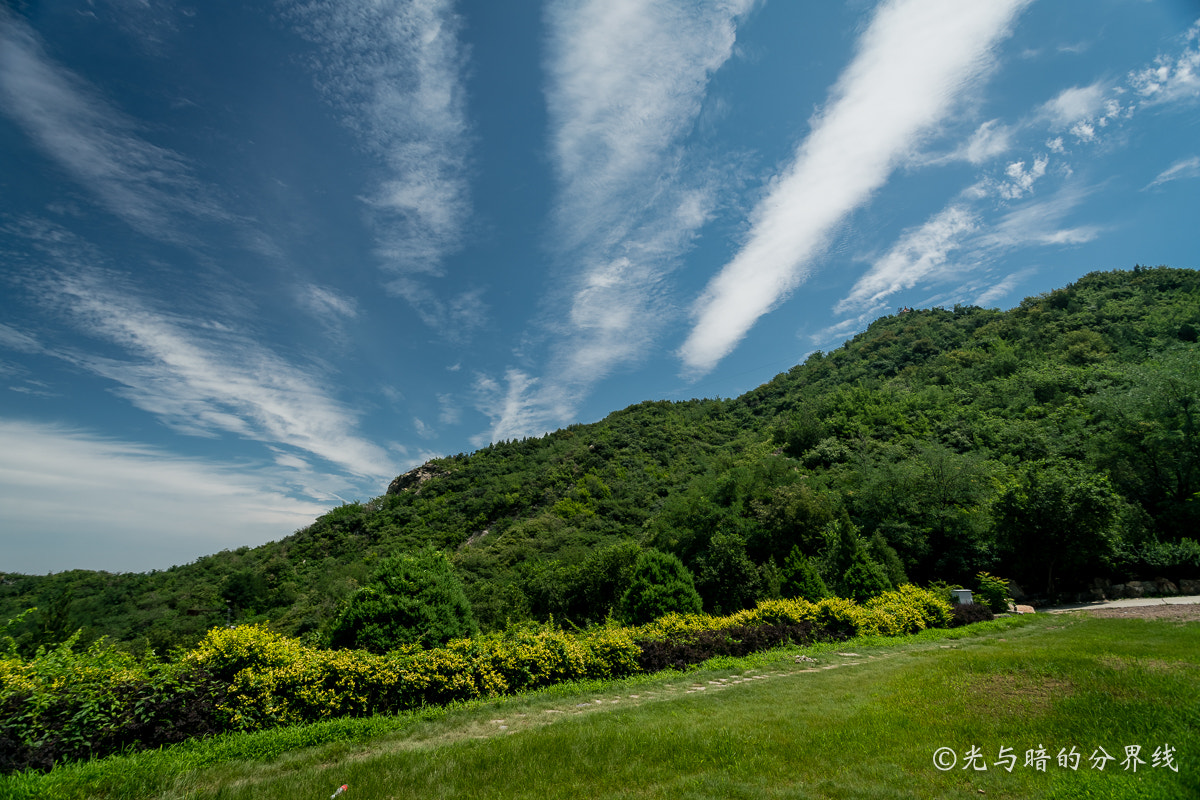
1018 693
1170 612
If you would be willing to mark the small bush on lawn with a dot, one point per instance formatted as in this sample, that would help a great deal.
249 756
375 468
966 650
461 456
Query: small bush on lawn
993 592
968 613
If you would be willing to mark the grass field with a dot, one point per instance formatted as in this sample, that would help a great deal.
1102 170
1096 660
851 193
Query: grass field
864 719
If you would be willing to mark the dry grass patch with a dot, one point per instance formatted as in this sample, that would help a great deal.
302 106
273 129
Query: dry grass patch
1017 693
1156 665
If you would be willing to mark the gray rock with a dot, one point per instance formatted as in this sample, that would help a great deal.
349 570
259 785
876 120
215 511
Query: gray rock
415 477
1189 586
1115 592
1135 589
1164 586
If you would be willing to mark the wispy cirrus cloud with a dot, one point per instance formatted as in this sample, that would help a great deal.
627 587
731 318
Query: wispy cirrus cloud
1183 169
627 79
134 507
327 307
1083 110
990 139
202 377
394 71
151 188
913 62
626 82
921 254
953 244
196 371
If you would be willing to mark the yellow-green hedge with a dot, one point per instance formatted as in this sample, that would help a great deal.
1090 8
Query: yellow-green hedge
273 680
278 681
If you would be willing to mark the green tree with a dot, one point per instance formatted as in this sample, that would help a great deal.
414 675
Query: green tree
660 584
412 599
856 575
1152 447
886 556
1057 521
728 580
801 579
792 514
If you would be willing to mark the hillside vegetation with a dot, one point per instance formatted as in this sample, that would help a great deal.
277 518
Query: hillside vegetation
1054 443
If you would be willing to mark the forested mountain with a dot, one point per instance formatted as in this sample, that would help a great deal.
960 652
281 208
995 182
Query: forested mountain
1053 443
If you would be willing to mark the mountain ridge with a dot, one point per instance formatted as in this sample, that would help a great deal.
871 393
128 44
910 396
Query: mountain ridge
932 433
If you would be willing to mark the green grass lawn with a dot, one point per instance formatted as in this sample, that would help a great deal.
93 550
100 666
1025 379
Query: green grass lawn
847 726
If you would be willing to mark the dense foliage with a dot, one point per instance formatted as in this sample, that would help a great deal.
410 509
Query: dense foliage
68 703
413 600
660 585
1054 443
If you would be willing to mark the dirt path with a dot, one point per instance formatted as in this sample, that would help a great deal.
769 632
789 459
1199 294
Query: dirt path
1180 609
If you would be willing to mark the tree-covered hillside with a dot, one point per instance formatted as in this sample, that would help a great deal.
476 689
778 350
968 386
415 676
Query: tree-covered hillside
1054 443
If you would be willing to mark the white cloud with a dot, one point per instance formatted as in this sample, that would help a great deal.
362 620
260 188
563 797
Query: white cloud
920 254
395 72
516 409
991 139
627 79
327 307
202 377
448 410
326 303
1001 289
1171 79
1021 179
131 506
18 340
959 241
148 186
1184 169
423 430
913 62
1039 223
1073 105
626 83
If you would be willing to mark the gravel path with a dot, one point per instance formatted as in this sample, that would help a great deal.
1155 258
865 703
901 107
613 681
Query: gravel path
1180 609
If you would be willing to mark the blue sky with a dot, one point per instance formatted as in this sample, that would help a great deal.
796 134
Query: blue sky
256 259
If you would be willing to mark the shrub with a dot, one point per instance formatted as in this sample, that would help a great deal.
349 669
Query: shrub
660 585
993 592
908 609
840 618
66 705
968 613
776 612
682 651
413 599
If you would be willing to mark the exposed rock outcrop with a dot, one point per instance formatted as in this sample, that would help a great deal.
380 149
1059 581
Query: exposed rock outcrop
415 477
